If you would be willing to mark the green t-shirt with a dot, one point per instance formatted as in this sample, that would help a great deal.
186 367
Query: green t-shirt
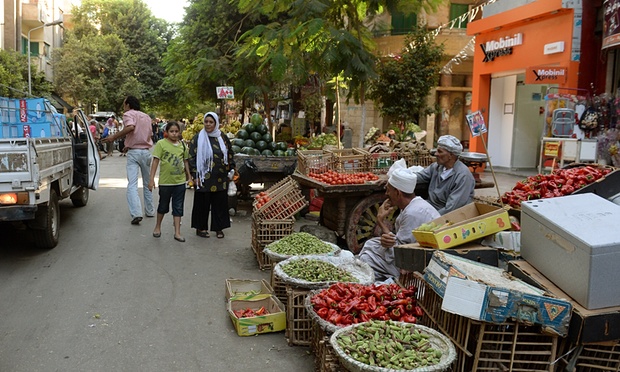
171 162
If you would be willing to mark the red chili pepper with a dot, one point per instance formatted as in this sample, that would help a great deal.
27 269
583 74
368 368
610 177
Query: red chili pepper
408 318
381 310
417 311
351 305
322 312
395 314
372 303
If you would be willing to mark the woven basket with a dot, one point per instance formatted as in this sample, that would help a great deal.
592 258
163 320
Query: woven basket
328 327
276 257
360 270
437 340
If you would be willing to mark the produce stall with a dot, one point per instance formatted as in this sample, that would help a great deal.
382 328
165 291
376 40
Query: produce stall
262 169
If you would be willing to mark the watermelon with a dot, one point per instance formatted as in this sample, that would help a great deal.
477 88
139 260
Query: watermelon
290 152
273 146
267 152
255 152
236 149
256 119
249 143
247 150
262 129
261 145
255 136
267 137
243 134
249 127
279 153
282 146
237 142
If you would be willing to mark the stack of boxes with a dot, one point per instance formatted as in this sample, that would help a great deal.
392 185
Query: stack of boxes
29 118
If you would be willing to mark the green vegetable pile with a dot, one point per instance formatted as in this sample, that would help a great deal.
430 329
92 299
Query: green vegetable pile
299 244
389 345
317 271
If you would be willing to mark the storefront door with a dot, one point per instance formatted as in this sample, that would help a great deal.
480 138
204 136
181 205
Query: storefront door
528 128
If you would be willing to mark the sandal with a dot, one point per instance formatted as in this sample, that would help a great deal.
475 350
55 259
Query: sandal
202 233
220 235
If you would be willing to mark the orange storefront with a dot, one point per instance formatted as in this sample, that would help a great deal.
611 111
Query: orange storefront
521 54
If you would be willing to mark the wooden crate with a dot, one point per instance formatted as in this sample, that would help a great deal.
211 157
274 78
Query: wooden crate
298 323
279 288
604 357
424 160
315 161
286 200
325 358
483 346
265 231
350 160
380 163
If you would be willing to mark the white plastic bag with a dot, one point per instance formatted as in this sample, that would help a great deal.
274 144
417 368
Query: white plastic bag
232 189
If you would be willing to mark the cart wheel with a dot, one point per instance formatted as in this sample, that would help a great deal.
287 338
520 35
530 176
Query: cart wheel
362 222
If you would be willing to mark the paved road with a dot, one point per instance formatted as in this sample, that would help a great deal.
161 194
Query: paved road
112 297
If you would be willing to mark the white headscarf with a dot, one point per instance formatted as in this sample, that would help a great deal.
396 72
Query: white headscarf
403 180
204 158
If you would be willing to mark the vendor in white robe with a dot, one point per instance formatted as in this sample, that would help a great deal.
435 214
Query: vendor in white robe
378 252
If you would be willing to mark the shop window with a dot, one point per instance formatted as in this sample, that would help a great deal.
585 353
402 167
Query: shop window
402 23
457 10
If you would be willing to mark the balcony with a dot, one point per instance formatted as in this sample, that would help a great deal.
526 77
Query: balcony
31 15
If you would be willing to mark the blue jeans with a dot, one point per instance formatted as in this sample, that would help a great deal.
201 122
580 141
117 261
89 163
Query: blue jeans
139 161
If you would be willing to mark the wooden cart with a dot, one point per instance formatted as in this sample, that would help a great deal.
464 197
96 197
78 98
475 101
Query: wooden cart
262 169
349 210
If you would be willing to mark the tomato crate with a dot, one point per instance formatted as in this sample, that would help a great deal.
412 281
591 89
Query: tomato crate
601 357
325 358
423 160
482 346
283 203
265 231
380 162
353 160
314 161
298 323
278 286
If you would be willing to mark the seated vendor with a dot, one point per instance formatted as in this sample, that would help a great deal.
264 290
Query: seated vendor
450 182
378 252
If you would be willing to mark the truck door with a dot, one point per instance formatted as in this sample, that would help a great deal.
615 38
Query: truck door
86 158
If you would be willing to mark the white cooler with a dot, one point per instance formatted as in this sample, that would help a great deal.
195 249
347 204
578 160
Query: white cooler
575 242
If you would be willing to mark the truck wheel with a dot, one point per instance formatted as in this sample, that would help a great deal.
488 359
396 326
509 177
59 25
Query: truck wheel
47 237
80 197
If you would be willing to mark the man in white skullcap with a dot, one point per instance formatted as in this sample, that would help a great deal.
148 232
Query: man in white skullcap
378 252
450 182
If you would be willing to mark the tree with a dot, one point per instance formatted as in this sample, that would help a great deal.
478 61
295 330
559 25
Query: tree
14 76
406 80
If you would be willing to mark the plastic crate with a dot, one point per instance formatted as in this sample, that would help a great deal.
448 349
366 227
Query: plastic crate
298 323
286 200
266 231
350 160
278 286
483 346
314 161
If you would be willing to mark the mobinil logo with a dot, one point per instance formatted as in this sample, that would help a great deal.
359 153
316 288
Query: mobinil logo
542 74
502 47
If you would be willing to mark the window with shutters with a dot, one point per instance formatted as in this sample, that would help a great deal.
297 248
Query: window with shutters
457 10
34 47
402 24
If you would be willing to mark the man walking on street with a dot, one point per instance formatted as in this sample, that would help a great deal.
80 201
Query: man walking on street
138 142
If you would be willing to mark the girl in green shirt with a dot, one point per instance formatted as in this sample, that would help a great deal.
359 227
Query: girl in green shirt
171 156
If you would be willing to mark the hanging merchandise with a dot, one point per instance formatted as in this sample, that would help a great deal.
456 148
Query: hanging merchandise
590 119
562 108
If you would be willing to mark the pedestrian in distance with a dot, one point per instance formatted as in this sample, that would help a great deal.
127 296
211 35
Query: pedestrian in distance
212 166
138 142
110 128
171 156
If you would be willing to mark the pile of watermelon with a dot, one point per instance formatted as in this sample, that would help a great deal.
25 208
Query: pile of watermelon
254 139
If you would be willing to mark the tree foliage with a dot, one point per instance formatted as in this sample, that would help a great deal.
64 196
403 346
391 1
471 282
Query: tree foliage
115 49
14 76
406 80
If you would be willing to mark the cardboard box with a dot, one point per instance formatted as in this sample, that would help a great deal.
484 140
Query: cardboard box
275 321
486 293
586 326
239 289
572 241
414 257
468 223
506 240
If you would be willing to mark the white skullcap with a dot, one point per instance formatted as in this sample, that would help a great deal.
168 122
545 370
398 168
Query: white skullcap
403 180
450 143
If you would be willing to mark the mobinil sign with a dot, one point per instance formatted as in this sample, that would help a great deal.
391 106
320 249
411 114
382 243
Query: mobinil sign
542 74
502 47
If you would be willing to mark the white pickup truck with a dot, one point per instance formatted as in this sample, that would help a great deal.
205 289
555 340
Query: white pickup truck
42 161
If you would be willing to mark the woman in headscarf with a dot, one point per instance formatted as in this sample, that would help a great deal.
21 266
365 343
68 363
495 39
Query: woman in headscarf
211 163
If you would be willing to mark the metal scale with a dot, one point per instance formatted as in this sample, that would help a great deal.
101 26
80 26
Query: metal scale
475 160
